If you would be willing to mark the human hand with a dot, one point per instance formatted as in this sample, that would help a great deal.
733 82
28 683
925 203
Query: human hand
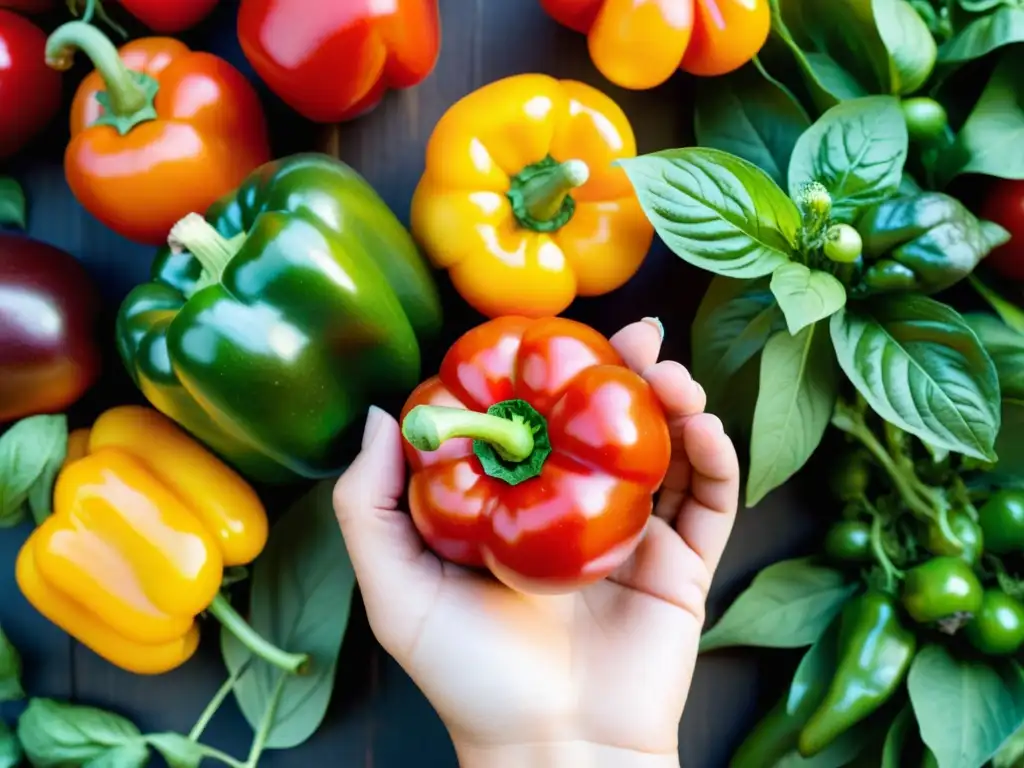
597 677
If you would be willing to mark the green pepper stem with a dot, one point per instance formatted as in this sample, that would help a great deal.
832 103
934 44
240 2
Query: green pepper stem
214 251
912 492
426 427
544 194
124 93
892 573
225 613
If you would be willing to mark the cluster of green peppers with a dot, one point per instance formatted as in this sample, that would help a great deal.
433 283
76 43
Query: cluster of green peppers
925 242
942 593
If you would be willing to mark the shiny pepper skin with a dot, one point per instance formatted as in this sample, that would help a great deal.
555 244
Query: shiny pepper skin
641 44
521 200
143 525
941 588
571 507
875 651
180 129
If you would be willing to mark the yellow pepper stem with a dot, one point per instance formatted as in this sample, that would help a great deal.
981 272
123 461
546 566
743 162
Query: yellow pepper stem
540 193
294 663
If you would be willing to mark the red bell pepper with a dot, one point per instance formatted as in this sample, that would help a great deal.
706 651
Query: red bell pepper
535 452
29 90
169 16
332 60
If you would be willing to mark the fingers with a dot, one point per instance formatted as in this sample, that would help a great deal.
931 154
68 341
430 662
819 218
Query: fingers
639 344
709 511
386 551
682 398
664 567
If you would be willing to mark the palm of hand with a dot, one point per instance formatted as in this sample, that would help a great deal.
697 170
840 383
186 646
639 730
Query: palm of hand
610 664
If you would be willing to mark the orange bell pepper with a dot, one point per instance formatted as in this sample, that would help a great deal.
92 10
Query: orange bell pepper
640 43
157 131
144 522
521 199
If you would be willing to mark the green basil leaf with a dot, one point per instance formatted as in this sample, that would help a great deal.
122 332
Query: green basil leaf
716 211
806 295
989 142
134 754
984 35
752 117
12 202
10 747
921 367
302 589
944 690
896 738
857 150
1009 312
788 605
10 671
1006 348
55 734
732 325
27 453
798 389
912 49
1010 754
1009 470
176 750
847 32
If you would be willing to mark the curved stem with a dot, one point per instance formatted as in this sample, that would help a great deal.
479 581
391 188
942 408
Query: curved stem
196 235
854 425
544 193
218 698
266 724
125 95
426 427
247 636
892 573
96 7
215 754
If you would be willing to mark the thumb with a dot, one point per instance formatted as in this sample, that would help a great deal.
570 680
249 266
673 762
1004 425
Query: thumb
387 553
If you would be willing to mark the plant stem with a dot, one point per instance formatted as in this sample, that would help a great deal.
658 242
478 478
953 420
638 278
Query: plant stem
196 235
215 754
544 194
218 699
845 419
892 573
266 724
125 95
293 663
427 427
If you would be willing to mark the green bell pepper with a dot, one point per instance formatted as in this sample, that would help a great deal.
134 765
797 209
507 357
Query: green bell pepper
875 651
926 242
268 326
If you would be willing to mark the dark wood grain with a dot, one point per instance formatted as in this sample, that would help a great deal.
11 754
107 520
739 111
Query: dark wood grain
378 718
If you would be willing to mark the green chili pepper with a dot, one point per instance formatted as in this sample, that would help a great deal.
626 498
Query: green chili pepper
875 651
941 588
924 242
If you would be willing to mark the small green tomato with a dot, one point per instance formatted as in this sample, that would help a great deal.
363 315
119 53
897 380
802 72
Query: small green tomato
843 244
926 118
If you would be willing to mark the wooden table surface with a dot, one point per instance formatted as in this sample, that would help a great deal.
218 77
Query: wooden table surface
378 717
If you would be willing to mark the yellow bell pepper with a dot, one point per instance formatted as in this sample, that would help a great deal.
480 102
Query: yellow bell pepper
521 202
145 520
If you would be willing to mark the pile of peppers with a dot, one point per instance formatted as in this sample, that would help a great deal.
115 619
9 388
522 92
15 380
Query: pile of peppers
935 562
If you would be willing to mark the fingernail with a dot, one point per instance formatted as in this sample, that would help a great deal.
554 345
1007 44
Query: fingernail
374 420
715 424
657 324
